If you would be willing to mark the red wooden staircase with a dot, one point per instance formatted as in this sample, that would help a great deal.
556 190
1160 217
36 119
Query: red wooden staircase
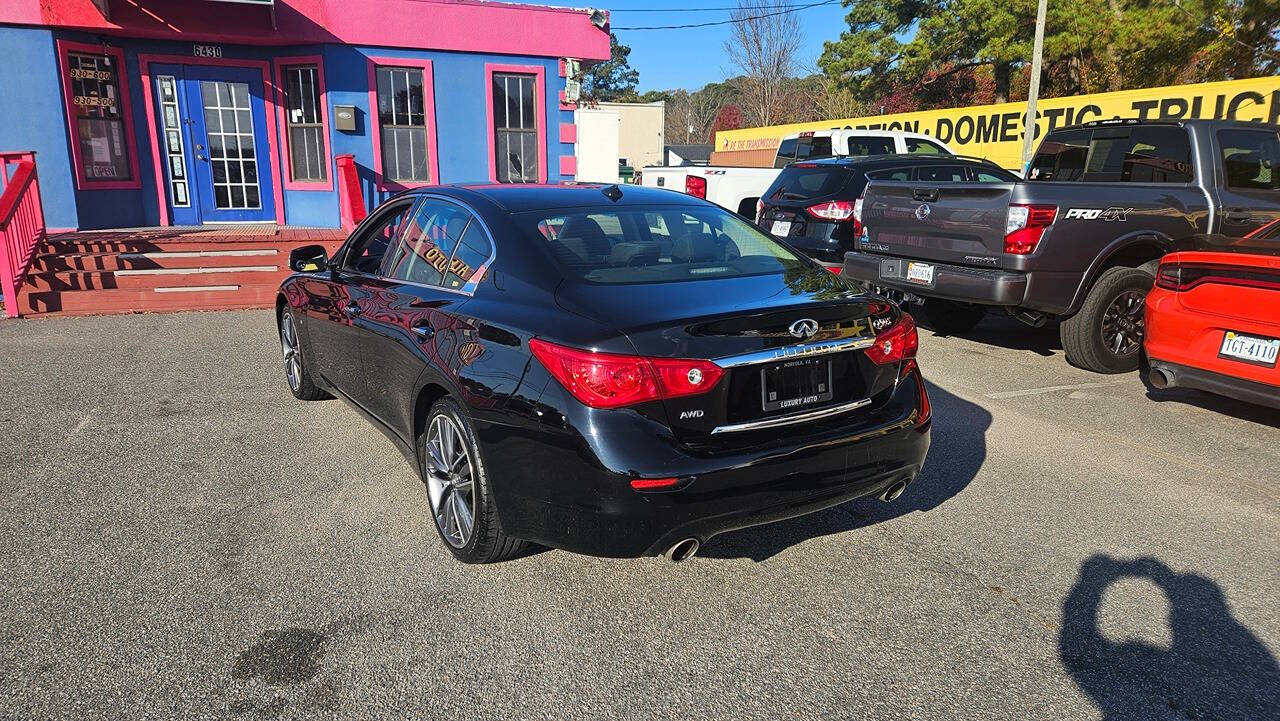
163 269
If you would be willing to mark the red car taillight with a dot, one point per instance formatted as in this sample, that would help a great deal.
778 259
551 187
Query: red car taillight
896 343
839 211
611 380
695 185
1025 225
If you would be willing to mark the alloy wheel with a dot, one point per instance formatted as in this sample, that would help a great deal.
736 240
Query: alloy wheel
292 356
450 486
1123 323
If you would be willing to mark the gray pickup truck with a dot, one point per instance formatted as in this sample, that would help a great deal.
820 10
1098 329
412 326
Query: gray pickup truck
1079 239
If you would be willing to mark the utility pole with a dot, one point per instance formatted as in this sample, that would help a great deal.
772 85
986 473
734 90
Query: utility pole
1033 93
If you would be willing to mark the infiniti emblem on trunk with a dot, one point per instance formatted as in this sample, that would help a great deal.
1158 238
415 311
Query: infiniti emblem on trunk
804 328
922 212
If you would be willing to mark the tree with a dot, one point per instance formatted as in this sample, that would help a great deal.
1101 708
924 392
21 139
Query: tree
765 45
613 80
928 52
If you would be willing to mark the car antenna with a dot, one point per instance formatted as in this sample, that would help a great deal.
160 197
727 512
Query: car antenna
612 192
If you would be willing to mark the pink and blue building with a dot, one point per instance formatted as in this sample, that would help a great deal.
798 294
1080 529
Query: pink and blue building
191 112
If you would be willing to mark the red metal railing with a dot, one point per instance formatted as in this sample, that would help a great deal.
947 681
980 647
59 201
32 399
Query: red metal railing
22 228
351 208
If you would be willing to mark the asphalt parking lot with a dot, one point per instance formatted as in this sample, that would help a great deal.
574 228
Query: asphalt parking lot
183 539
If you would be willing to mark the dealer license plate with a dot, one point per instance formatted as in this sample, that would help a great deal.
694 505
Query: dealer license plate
781 228
920 273
795 384
1250 348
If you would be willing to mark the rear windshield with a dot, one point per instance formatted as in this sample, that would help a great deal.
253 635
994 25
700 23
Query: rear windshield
1115 154
657 244
801 182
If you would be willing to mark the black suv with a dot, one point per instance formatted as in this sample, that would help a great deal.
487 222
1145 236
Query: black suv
814 205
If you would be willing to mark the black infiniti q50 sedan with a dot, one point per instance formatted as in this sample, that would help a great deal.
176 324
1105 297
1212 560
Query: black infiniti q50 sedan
612 371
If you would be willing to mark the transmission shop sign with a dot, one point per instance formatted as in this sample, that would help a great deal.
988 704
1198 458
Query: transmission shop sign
995 131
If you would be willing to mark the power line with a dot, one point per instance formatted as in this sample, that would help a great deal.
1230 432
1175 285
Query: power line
730 21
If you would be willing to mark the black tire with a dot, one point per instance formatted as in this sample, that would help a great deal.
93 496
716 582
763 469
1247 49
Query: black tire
486 542
949 318
297 372
1106 335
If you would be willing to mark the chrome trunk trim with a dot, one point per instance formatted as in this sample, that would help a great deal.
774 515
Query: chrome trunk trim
794 351
792 418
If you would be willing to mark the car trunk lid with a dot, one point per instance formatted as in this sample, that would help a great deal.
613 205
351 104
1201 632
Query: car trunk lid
746 325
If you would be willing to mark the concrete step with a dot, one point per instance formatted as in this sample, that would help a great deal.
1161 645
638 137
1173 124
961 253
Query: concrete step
156 278
154 300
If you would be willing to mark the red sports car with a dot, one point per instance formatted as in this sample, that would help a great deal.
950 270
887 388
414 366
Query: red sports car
1213 323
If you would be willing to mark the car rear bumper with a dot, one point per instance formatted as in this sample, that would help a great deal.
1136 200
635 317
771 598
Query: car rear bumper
576 495
985 286
1183 376
1185 343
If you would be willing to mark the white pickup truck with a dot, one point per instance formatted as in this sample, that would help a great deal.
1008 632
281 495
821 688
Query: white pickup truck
738 189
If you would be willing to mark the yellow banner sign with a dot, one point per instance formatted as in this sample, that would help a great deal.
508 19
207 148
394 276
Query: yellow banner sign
995 131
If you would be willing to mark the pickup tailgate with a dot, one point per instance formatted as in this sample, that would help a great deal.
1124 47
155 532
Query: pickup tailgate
956 223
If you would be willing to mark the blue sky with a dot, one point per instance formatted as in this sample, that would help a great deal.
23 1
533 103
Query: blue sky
694 57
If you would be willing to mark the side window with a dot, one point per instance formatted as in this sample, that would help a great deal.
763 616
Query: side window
424 253
1251 159
366 253
991 176
1160 154
917 146
786 153
941 174
813 148
469 257
870 146
902 174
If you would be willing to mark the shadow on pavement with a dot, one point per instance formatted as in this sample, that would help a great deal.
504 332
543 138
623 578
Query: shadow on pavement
1000 330
1213 402
958 450
1214 669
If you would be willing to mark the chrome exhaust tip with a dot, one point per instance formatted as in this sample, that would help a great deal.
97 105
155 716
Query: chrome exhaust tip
892 493
682 550
1161 378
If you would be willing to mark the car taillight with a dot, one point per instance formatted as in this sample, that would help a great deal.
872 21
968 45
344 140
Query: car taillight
611 380
837 269
695 185
896 343
1169 277
1024 226
833 210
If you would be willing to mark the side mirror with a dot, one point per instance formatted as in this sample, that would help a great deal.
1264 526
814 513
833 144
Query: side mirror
308 259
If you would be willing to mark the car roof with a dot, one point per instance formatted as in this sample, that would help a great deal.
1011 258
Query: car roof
521 197
898 159
860 131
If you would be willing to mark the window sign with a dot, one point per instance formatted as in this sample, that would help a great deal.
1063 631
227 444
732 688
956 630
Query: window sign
95 100
168 89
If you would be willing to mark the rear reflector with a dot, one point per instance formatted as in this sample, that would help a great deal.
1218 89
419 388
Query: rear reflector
896 343
695 185
611 380
1025 225
654 484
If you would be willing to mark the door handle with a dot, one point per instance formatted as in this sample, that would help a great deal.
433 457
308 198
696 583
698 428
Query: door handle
424 331
925 194
202 157
352 309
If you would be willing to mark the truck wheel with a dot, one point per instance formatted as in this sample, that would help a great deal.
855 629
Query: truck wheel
949 318
1106 335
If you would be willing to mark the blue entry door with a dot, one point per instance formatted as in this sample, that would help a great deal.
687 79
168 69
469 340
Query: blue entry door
231 170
